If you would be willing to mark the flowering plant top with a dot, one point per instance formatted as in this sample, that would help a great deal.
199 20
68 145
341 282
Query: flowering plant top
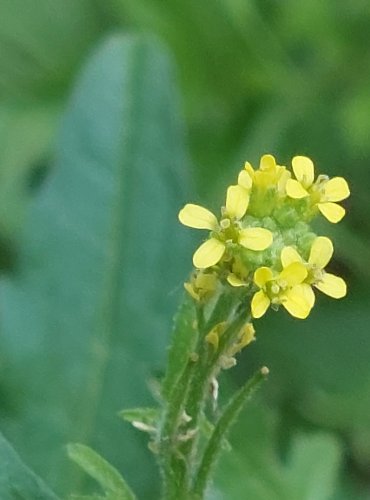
263 243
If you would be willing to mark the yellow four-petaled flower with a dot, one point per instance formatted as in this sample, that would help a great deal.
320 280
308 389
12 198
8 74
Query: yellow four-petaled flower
324 192
320 254
292 286
227 230
286 288
269 175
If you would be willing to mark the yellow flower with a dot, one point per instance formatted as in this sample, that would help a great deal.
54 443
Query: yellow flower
269 175
201 285
247 334
287 288
239 273
324 192
320 254
228 230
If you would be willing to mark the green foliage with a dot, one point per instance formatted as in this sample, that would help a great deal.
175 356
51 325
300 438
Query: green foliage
254 469
317 387
34 123
42 44
183 340
17 481
227 418
41 47
110 480
148 416
260 76
92 260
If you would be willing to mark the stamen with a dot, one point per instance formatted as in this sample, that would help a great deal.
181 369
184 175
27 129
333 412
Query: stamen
225 223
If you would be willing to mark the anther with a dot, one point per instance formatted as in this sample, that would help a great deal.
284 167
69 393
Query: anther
225 223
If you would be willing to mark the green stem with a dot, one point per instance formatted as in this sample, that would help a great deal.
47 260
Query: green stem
170 462
178 441
200 389
226 420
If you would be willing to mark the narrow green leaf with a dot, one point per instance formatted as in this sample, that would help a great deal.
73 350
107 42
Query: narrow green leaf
17 481
223 425
148 416
184 338
102 471
207 428
101 266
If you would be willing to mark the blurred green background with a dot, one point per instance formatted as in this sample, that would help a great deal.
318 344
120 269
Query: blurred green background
112 114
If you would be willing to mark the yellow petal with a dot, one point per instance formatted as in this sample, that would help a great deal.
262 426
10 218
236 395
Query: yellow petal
298 301
214 335
307 292
235 281
267 162
262 276
295 190
247 333
206 282
332 211
336 189
332 285
284 175
209 253
303 170
212 338
237 200
197 217
249 169
321 252
289 255
190 289
255 238
245 180
294 274
246 336
260 303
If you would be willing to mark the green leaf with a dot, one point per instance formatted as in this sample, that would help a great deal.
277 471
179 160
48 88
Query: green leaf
313 464
206 428
309 469
86 317
183 340
26 137
102 471
227 418
148 416
321 366
17 481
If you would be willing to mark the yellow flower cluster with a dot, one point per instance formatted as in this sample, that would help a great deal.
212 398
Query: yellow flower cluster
262 240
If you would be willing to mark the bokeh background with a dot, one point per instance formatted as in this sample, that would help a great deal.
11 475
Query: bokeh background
112 114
